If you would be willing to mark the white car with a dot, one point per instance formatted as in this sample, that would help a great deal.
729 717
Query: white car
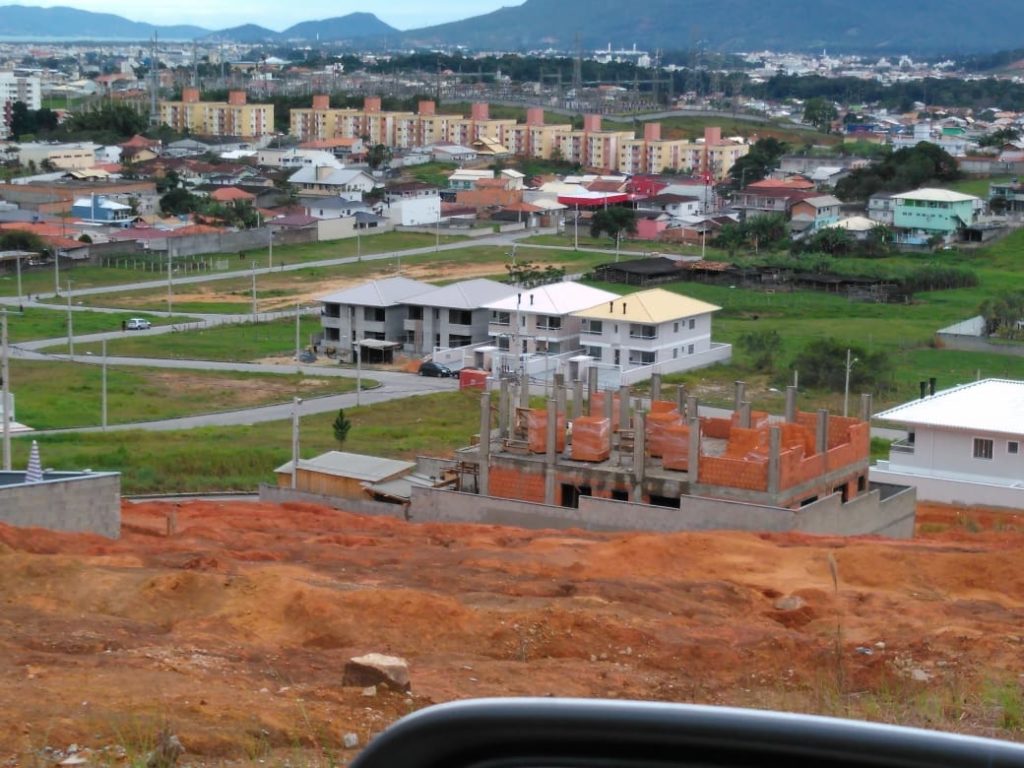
138 324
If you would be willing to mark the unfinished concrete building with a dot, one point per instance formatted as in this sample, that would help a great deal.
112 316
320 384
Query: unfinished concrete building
588 445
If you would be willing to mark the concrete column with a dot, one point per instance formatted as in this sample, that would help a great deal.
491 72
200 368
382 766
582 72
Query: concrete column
791 404
549 456
774 466
740 395
609 406
865 406
561 397
483 473
745 414
692 406
655 386
624 407
524 391
694 461
681 399
591 384
639 468
503 409
577 399
822 437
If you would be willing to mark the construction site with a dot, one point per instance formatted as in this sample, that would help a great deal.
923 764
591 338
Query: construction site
743 470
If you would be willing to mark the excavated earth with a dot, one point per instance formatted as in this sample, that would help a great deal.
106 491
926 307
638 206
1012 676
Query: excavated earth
229 624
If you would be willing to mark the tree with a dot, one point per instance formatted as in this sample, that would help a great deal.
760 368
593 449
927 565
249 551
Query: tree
820 113
1003 315
23 120
614 221
822 365
763 157
762 346
341 427
178 201
378 156
831 240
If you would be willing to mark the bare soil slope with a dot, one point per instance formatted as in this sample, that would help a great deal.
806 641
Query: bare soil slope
234 630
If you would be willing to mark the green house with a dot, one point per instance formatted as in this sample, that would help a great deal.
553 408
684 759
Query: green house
924 213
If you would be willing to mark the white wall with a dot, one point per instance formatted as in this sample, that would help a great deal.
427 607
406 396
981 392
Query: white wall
414 211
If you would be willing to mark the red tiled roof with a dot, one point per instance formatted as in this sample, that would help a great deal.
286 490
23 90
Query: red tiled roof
231 194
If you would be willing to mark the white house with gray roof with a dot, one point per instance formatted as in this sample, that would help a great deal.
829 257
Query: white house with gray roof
324 180
452 315
964 445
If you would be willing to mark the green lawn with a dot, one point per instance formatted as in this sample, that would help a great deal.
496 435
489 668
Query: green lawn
975 186
34 323
568 240
52 395
239 458
243 342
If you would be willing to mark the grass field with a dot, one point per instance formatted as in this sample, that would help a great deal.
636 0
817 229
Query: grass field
975 186
35 323
148 394
645 247
241 342
284 289
693 127
239 458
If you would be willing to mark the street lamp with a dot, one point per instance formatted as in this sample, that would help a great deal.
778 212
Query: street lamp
850 361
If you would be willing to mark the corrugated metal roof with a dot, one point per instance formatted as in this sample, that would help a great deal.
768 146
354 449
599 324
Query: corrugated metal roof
555 299
934 195
357 466
652 306
466 294
990 405
378 293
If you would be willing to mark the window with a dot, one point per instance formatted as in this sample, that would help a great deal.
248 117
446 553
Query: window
373 314
675 327
982 448
595 327
689 350
549 323
1013 447
460 317
693 323
415 313
637 331
501 318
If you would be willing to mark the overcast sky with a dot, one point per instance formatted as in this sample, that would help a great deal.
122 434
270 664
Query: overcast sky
278 15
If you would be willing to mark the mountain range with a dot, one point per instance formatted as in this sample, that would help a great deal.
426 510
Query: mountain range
867 26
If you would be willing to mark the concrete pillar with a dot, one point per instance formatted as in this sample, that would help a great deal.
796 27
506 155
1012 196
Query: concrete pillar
692 406
503 409
774 465
609 406
561 397
524 391
624 406
740 395
790 404
549 456
639 457
694 461
822 437
577 399
865 406
681 399
483 473
591 384
745 414
655 387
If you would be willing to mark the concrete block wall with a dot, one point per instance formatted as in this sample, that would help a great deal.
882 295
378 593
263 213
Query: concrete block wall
277 495
75 503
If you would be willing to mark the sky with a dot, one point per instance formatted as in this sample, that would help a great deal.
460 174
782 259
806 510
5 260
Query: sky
276 15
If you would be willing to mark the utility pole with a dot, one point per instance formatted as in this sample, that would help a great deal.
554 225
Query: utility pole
270 243
71 327
846 390
295 441
170 283
298 332
5 390
103 399
56 272
18 267
359 374
253 293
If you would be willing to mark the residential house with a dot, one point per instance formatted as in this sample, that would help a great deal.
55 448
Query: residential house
964 445
332 207
858 227
676 206
370 317
327 181
466 178
294 158
232 196
655 329
650 224
759 201
880 208
412 204
1007 196
814 213
541 320
451 315
97 209
926 213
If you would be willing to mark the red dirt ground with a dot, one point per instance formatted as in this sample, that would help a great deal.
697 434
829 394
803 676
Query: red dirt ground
235 629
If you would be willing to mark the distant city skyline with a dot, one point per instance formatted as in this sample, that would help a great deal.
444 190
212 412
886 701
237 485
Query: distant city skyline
272 14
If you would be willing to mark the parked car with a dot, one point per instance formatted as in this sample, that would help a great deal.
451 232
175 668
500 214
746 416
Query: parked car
138 324
436 370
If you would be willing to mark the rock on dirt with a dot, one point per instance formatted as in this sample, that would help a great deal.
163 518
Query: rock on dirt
377 669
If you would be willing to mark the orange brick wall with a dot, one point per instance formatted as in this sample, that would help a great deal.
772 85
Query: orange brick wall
655 430
717 428
734 473
524 484
537 421
676 448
